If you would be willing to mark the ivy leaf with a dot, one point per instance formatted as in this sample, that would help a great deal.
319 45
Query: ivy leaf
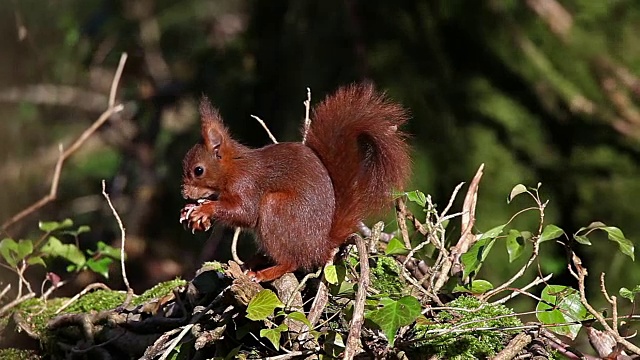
515 244
330 274
395 314
417 197
550 232
50 226
476 287
517 190
561 304
262 305
69 252
298 316
25 248
396 247
472 260
274 334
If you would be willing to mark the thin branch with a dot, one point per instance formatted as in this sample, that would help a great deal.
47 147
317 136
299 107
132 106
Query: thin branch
15 302
307 120
538 280
353 340
53 192
4 291
122 242
234 246
266 128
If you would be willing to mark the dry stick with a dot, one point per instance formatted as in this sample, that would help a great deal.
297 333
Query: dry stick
467 238
401 216
353 341
266 129
5 290
613 302
580 276
535 282
15 302
514 347
307 120
234 246
122 243
53 192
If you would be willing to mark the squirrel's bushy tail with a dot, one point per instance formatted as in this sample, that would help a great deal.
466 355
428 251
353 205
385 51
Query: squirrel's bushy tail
355 133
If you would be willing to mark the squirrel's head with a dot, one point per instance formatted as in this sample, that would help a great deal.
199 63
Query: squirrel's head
203 168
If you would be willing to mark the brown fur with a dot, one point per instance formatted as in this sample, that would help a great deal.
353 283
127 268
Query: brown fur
302 201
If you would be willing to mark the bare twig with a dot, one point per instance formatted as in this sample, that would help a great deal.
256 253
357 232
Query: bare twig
234 246
122 243
401 217
307 120
16 302
353 341
5 291
467 238
53 192
514 347
266 129
580 274
538 280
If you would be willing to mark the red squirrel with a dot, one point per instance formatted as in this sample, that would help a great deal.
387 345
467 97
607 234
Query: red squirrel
301 201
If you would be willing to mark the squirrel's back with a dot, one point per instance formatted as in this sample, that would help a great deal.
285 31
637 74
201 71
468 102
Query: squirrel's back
355 133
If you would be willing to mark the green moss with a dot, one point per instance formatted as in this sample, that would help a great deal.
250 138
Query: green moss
36 312
159 290
97 301
386 276
18 354
477 344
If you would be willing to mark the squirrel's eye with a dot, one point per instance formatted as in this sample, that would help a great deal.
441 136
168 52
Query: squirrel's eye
198 171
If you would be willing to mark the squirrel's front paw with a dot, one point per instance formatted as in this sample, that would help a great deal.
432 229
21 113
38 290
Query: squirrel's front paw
195 217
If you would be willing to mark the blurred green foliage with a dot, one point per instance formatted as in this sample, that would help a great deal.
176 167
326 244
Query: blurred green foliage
537 94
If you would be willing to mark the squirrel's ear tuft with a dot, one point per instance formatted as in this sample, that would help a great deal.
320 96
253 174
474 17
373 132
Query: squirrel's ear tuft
213 131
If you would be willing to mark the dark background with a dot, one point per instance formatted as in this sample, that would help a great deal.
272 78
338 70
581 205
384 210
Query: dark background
538 91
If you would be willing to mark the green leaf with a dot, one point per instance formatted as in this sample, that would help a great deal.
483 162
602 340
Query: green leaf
562 306
330 274
476 287
515 244
107 250
630 294
262 305
274 334
298 316
417 197
493 232
100 266
69 252
626 246
517 190
550 232
395 314
50 226
582 239
396 247
472 260
36 260
25 248
8 249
